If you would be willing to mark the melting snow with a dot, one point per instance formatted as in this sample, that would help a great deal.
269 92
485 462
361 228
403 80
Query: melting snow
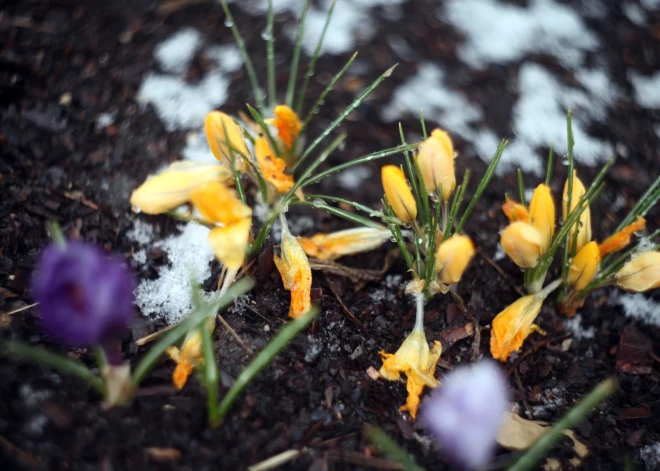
574 326
647 89
639 307
352 179
175 53
650 454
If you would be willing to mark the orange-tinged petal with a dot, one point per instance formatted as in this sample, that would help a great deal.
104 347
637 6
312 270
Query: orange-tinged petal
621 239
219 204
171 188
347 242
452 258
435 162
641 273
229 243
583 225
272 168
516 211
288 125
226 139
296 273
189 356
584 266
398 193
542 212
522 242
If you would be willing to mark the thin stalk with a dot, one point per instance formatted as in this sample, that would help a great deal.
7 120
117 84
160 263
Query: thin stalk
388 446
53 360
270 56
260 121
306 175
648 199
521 187
360 207
352 217
532 456
459 194
263 359
211 375
239 187
326 132
312 61
411 171
249 68
263 233
395 229
425 208
56 234
422 123
293 75
548 172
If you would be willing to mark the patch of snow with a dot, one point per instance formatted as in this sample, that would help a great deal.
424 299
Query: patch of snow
574 326
227 57
382 295
300 224
175 53
501 32
647 89
352 178
499 253
32 397
104 120
141 233
651 4
635 13
650 455
639 307
315 348
197 149
393 281
552 400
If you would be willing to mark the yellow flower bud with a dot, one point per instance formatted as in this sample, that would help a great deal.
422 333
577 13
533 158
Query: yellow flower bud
435 161
229 243
584 266
522 242
288 125
641 273
583 225
271 167
511 327
170 188
296 273
219 204
398 193
515 211
348 242
542 212
222 132
417 361
452 258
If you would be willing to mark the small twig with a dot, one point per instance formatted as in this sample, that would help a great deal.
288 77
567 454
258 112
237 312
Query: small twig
234 334
21 456
343 306
154 335
277 460
20 309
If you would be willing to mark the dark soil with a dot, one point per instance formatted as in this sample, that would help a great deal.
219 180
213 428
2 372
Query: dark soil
63 62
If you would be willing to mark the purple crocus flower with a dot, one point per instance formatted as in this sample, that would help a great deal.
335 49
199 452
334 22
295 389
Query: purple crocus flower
465 413
85 297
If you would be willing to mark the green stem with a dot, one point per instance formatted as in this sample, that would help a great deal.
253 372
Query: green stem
293 76
388 446
270 56
211 375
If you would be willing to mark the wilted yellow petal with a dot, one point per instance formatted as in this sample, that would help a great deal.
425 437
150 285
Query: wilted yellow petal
542 212
584 266
452 258
296 273
583 225
288 125
222 130
522 242
435 161
272 168
641 273
511 327
229 243
347 242
621 239
516 211
170 188
398 193
189 356
417 362
219 204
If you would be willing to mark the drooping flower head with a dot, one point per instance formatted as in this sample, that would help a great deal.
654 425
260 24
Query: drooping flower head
466 412
347 242
641 273
272 167
85 296
295 271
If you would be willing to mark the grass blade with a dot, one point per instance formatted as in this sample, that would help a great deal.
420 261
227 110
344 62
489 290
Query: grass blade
387 445
293 75
318 161
521 187
352 217
264 127
270 56
211 375
360 207
548 172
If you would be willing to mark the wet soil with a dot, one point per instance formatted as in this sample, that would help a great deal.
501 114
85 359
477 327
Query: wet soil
64 62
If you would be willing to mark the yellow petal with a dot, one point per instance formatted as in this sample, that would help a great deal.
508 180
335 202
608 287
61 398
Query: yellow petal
641 273
522 242
222 132
229 243
219 204
296 274
347 242
170 188
516 211
288 125
583 225
621 239
542 212
189 356
271 167
435 161
584 266
452 258
398 193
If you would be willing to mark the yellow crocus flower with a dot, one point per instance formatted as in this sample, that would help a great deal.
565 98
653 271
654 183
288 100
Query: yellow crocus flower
398 193
229 243
452 258
583 225
295 271
542 212
584 266
641 273
271 167
435 162
523 243
222 132
347 242
621 239
189 356
288 125
516 211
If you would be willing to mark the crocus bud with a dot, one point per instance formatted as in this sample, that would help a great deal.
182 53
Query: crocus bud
511 327
435 161
222 132
85 297
296 273
584 266
465 414
583 225
641 273
347 242
398 193
417 362
271 167
170 188
452 258
522 242
515 211
542 212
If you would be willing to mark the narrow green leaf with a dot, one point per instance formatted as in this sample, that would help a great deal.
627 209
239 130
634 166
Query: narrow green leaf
360 207
388 446
548 172
270 56
305 177
293 76
521 187
352 217
264 127
211 375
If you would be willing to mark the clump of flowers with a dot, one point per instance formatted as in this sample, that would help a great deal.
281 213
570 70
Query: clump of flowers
466 413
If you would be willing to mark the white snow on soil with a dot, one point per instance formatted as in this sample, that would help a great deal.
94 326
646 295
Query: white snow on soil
637 306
